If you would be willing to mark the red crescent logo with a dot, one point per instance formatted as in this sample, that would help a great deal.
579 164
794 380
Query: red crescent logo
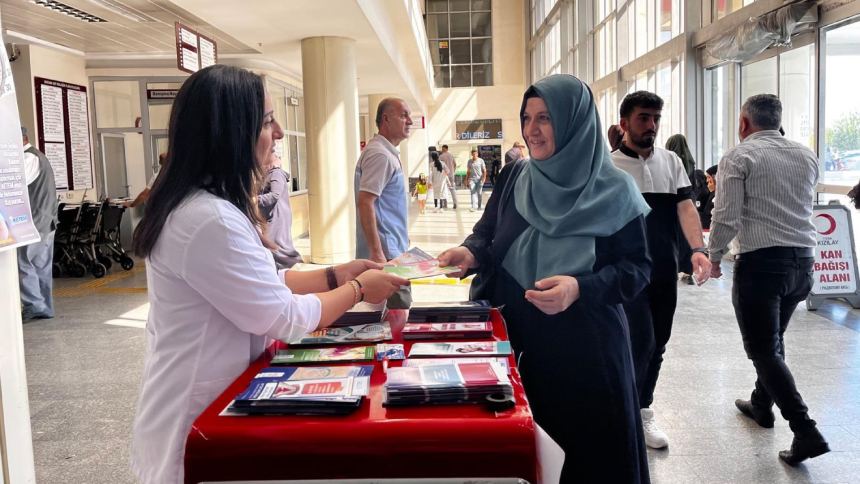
832 224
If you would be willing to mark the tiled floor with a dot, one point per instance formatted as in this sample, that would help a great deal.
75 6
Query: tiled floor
84 370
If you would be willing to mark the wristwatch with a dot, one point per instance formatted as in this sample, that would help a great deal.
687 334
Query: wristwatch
701 250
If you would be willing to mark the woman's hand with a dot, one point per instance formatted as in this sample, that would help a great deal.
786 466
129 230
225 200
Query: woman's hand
555 294
460 257
349 271
379 286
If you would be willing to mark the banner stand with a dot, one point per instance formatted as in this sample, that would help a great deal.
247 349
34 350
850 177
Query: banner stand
836 272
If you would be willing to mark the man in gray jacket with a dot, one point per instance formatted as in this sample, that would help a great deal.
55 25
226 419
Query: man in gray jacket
35 260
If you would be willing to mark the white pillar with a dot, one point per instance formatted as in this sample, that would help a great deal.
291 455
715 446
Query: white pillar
331 118
16 453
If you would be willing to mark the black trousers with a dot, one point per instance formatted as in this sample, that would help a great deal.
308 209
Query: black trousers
765 293
650 317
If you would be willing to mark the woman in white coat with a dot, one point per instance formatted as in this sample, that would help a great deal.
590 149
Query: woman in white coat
216 297
438 181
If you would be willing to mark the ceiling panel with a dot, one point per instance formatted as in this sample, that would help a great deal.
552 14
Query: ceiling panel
119 34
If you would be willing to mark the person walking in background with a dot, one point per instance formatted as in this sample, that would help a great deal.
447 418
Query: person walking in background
274 205
767 188
476 175
438 181
515 154
420 192
451 165
144 194
664 184
35 261
493 170
380 193
707 199
678 144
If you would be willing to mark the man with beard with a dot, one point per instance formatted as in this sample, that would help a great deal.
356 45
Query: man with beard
663 181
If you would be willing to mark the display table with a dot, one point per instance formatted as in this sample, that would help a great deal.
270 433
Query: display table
375 442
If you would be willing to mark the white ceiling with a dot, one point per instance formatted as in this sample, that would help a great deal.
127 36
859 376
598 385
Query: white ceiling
267 31
118 35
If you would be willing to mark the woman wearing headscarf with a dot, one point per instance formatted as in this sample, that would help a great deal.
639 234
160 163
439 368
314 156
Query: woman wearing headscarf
438 181
560 246
678 145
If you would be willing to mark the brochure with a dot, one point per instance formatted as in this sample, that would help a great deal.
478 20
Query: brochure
340 354
411 256
362 333
502 361
448 330
446 383
390 351
472 348
418 270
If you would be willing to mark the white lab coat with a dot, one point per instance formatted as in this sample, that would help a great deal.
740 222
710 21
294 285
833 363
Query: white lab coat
216 298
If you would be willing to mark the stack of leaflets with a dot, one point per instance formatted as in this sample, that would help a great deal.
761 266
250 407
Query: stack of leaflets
416 264
337 390
339 354
471 348
447 330
362 313
363 333
449 312
502 361
447 383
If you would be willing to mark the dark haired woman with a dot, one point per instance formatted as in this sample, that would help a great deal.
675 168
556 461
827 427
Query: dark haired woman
561 245
438 182
216 296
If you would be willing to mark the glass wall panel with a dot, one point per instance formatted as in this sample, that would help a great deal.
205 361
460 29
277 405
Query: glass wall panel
117 103
759 78
797 93
719 112
460 32
841 147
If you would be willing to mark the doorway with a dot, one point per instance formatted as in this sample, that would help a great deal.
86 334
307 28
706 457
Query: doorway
114 164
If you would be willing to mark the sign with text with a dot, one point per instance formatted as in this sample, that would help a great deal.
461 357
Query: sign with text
194 51
835 267
161 93
479 129
16 220
62 113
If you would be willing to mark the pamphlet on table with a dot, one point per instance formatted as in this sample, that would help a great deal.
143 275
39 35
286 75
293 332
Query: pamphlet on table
472 348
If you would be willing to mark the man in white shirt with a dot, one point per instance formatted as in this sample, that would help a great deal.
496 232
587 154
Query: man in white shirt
35 260
451 165
663 181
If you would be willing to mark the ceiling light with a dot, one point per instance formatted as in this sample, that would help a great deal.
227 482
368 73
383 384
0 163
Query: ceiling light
67 10
124 10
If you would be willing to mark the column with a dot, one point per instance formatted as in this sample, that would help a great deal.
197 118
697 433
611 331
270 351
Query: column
373 101
331 119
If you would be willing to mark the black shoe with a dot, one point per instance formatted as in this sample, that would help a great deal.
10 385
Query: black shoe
762 416
811 445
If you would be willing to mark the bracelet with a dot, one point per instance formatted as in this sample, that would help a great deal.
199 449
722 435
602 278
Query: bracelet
356 291
331 278
360 288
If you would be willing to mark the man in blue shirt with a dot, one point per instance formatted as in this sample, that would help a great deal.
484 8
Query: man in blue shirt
380 193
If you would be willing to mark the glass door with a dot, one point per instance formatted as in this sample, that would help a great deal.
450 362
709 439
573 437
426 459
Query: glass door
840 56
115 165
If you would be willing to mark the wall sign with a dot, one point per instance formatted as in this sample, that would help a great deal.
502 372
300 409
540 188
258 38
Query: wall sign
161 93
835 262
194 51
479 129
16 221
62 114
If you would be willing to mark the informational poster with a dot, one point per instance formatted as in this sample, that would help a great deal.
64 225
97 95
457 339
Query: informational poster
835 267
16 220
194 51
56 153
62 112
53 126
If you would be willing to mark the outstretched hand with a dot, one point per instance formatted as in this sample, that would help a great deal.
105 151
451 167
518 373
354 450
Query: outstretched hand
349 271
459 257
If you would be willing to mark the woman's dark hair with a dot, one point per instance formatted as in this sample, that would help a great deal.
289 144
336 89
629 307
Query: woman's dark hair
434 156
854 195
215 122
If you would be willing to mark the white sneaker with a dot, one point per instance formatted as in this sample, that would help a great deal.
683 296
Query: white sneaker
654 437
441 210
472 209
